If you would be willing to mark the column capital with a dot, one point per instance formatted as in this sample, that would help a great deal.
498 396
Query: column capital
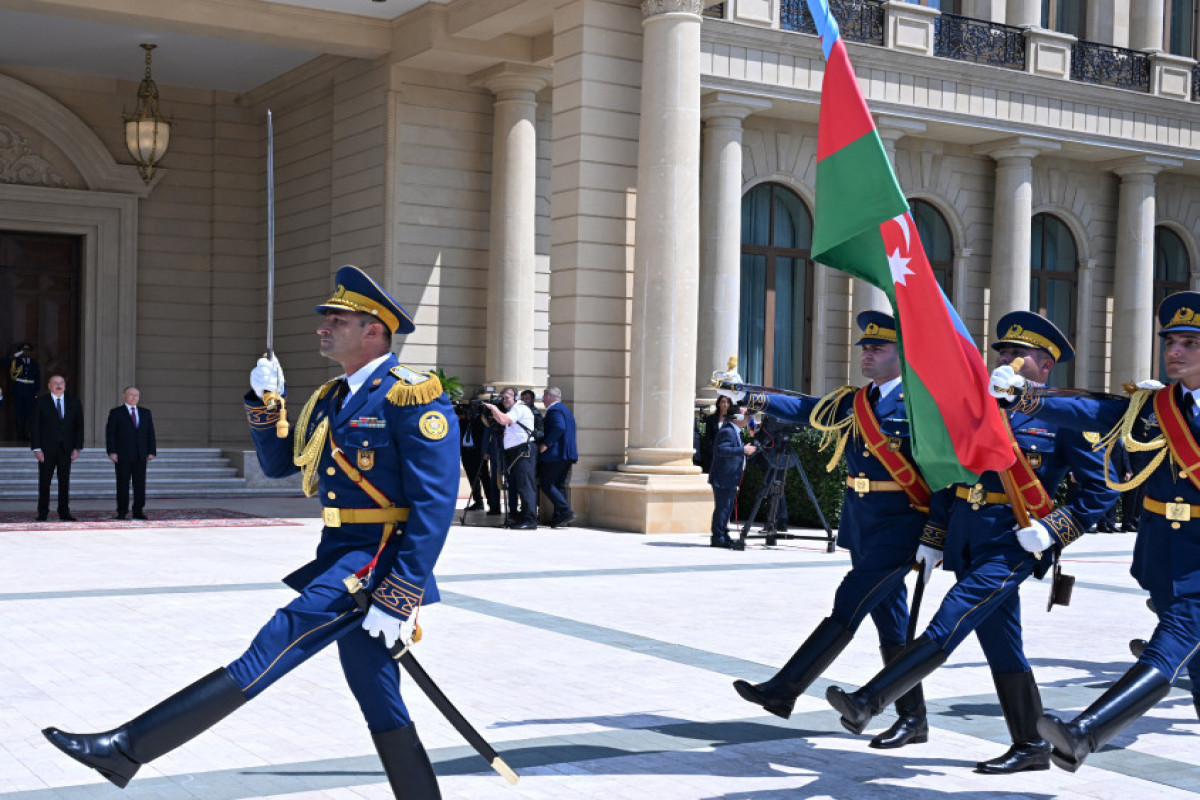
656 8
1029 147
730 105
512 77
1147 166
895 128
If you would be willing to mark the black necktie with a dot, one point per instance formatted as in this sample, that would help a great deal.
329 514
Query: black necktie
58 403
873 395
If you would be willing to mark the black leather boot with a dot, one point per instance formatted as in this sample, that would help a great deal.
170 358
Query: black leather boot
902 673
1137 647
1135 693
911 725
407 764
118 753
1021 703
778 694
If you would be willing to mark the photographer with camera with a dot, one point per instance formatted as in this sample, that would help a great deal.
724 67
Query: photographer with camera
519 459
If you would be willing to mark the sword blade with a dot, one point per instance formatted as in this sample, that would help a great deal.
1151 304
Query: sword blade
270 235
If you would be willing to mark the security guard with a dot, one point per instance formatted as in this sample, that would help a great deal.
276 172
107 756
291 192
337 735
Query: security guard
380 447
1159 427
883 515
26 376
973 529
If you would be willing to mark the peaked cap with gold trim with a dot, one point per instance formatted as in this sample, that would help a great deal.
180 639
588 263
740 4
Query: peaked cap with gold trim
1179 313
1027 329
356 291
877 328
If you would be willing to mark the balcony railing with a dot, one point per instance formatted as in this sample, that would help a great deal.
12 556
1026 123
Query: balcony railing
1110 66
858 20
1196 82
967 39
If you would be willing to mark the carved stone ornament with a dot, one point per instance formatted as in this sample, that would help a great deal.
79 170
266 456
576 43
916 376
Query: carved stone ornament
20 165
652 8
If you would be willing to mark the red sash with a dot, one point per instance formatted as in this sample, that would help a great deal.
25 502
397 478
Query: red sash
1037 500
1179 436
900 468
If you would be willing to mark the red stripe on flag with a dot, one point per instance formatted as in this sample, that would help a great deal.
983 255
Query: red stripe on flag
844 114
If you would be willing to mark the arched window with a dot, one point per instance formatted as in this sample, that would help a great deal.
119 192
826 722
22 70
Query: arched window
1052 281
775 322
1172 269
1065 16
938 244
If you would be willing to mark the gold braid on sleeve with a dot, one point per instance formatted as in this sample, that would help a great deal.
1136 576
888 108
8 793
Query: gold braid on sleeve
833 430
1123 432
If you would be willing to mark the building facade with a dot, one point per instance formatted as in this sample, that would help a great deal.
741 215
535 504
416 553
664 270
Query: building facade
609 196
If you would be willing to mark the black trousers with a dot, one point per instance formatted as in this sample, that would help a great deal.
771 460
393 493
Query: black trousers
552 476
126 470
54 461
521 468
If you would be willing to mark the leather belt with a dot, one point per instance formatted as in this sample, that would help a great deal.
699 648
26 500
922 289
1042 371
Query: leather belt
865 486
1176 512
337 517
977 496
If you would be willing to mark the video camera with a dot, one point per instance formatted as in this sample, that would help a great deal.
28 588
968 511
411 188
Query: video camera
473 408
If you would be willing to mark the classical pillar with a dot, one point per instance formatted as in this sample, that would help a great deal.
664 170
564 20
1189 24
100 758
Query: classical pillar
721 230
1146 26
1024 13
666 242
1012 227
1133 280
511 249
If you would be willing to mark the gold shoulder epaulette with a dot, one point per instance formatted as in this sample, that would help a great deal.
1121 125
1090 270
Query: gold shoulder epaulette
413 388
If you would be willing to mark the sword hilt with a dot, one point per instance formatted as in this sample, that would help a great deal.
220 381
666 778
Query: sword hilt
276 402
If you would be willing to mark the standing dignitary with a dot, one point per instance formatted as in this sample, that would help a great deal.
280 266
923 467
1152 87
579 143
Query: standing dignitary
973 529
380 447
1160 429
517 422
470 445
725 475
25 374
883 515
129 440
56 438
556 454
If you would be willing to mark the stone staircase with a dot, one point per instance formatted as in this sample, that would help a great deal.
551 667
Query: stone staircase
176 472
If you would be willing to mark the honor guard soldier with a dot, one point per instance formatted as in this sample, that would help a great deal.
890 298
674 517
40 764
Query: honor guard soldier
26 376
883 515
973 530
1158 426
379 445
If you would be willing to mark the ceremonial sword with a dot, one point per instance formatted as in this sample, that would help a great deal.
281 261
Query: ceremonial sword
402 653
273 400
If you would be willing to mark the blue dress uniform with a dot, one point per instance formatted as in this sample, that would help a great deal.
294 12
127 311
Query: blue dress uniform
26 376
880 526
1159 428
974 526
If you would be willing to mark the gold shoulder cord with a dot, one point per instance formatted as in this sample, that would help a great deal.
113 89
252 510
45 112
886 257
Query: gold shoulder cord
1123 432
306 452
824 419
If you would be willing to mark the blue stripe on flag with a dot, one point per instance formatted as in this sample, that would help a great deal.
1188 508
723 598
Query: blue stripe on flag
827 27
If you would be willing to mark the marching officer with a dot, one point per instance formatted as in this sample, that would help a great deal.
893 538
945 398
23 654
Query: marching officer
972 529
883 514
379 445
26 376
1159 427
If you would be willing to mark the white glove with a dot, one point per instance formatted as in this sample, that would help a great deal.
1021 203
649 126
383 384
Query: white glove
1150 384
267 376
18 354
380 623
1004 380
1035 538
927 559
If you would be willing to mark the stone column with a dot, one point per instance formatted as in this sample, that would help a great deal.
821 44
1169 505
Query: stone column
1133 281
511 255
1012 228
721 231
1146 26
1024 13
666 242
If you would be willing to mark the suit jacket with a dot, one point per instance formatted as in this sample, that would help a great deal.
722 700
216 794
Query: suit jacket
50 433
560 434
128 442
729 458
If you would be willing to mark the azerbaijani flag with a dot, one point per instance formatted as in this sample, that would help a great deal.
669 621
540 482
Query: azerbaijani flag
863 227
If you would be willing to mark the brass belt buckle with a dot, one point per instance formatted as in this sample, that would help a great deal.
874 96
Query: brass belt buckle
862 485
332 517
1179 512
977 496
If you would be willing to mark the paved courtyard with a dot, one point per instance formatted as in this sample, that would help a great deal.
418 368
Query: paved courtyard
598 664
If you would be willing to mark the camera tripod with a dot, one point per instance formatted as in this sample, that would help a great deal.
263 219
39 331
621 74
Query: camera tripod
780 457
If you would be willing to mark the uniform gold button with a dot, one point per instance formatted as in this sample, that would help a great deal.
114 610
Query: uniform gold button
1178 499
365 443
867 453
1175 525
330 471
332 495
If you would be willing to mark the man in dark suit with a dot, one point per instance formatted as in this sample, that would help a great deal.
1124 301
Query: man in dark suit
728 463
556 455
129 440
471 432
56 438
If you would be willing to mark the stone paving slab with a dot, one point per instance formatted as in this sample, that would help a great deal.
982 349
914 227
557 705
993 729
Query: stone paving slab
598 663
